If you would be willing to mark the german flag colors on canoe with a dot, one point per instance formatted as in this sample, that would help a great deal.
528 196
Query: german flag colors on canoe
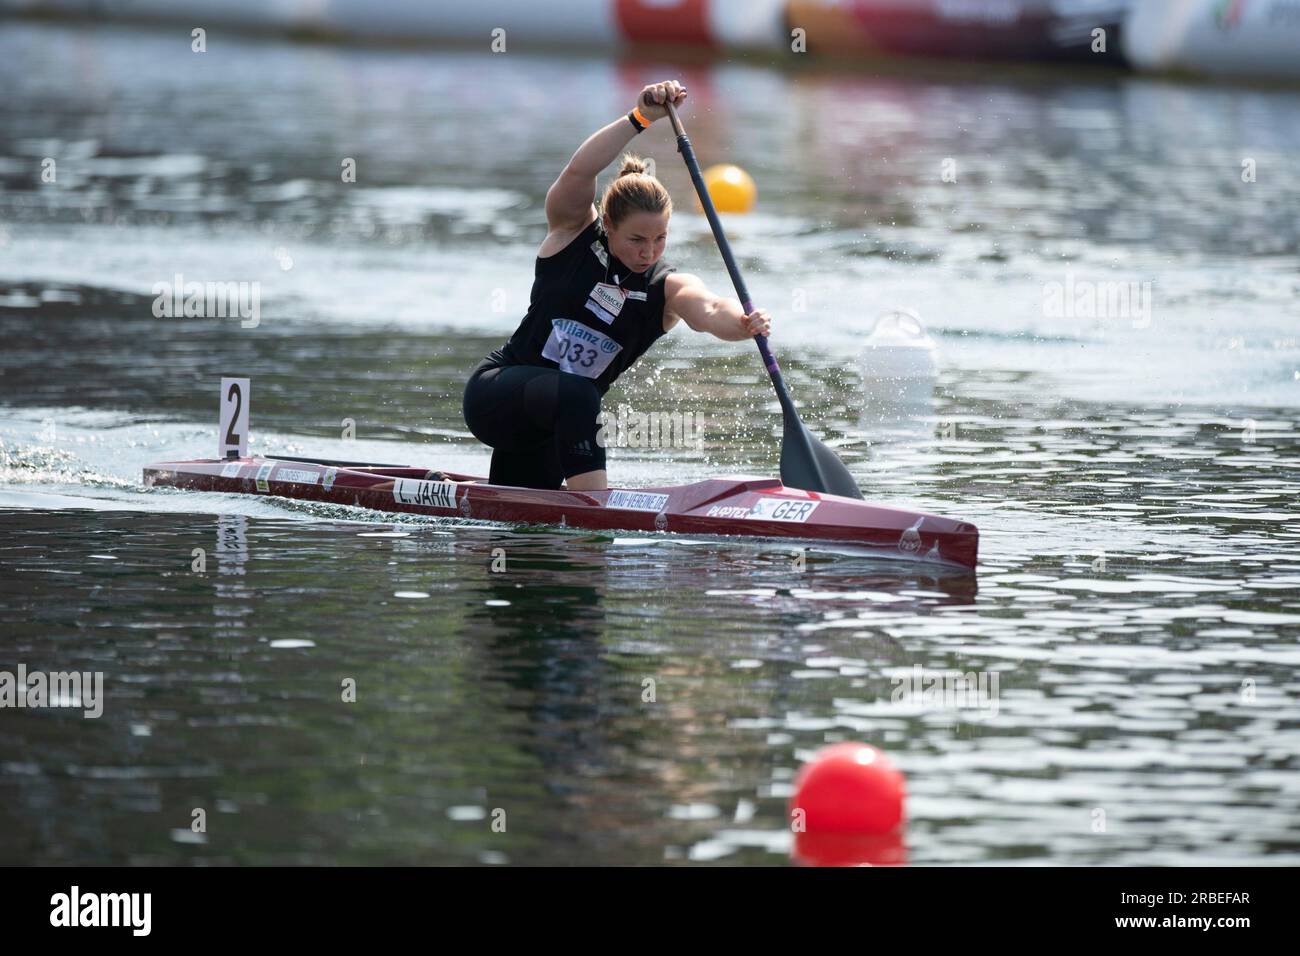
750 507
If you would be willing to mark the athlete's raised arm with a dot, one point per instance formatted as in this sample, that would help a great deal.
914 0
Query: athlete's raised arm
569 201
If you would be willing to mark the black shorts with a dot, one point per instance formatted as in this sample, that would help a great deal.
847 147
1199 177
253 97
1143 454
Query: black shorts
540 423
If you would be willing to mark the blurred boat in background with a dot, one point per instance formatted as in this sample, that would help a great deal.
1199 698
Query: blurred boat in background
1259 38
1217 37
511 25
1079 30
1221 37
1010 29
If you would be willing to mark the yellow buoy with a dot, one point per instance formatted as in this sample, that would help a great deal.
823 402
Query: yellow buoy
730 188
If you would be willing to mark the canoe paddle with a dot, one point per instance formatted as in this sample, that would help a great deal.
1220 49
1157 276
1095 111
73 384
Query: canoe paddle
805 462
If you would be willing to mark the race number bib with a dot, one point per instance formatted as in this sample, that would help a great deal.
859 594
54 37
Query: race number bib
578 349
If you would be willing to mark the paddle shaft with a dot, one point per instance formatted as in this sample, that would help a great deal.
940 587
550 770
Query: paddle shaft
805 462
692 164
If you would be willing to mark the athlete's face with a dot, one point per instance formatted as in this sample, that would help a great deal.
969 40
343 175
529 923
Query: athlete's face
639 240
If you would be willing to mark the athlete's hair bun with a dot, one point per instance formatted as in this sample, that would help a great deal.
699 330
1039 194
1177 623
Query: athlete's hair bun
641 192
634 164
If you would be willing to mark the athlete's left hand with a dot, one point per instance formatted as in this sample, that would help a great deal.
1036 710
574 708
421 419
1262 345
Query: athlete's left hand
758 322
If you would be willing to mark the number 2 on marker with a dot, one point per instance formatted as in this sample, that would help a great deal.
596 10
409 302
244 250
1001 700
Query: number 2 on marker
233 436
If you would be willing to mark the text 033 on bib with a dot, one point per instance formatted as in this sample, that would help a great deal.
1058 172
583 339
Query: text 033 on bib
579 349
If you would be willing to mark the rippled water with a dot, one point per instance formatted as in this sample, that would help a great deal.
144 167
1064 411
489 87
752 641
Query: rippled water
1134 478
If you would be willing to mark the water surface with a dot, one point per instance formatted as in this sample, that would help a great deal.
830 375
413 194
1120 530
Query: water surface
1134 476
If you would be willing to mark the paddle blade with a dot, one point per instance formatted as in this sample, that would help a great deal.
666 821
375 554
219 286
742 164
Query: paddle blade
808 464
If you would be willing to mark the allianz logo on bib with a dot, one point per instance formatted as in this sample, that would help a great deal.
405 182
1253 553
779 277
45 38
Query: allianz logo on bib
576 330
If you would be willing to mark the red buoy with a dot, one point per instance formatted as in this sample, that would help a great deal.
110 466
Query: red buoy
848 788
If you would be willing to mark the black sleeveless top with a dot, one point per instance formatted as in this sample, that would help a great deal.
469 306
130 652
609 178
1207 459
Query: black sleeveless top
588 313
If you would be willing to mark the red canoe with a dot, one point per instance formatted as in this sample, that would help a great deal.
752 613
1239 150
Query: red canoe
752 507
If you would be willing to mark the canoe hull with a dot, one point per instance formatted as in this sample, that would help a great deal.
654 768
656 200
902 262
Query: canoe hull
745 506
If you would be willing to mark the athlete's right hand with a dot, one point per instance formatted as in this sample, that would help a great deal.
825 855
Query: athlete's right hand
653 96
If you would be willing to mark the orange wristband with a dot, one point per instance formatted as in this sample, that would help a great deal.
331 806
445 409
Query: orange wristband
640 117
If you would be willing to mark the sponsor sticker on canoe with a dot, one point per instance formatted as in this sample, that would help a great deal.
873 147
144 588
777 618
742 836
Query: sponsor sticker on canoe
297 476
263 474
782 509
636 501
231 469
727 511
431 494
328 481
